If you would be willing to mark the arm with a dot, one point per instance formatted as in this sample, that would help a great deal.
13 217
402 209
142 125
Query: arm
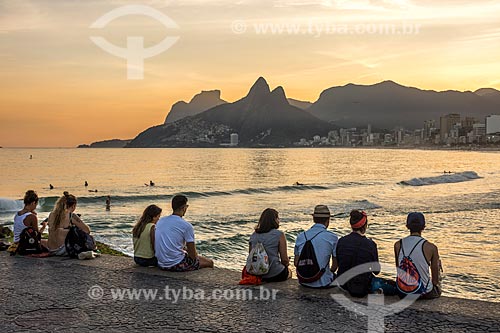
434 264
396 252
376 264
79 223
282 250
32 221
296 253
191 250
335 265
152 237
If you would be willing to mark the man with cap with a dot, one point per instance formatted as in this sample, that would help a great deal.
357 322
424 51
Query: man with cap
325 244
421 255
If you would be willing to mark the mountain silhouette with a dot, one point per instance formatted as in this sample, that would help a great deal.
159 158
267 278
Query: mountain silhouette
262 117
389 104
303 105
487 92
199 103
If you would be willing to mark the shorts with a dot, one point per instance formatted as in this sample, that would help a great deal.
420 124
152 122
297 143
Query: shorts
434 293
60 251
282 276
186 265
388 287
146 262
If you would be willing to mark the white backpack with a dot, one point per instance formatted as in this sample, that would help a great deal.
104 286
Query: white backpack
258 261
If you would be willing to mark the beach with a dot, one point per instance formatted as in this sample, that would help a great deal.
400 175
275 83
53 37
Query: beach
229 188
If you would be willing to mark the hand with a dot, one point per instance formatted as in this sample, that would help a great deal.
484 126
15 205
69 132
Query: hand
44 224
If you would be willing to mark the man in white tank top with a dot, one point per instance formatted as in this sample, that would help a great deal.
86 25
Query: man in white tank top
423 255
27 216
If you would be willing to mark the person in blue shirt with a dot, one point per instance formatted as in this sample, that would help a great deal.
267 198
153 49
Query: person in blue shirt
324 242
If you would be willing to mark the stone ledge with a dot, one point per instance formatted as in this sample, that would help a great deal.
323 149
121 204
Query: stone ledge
42 286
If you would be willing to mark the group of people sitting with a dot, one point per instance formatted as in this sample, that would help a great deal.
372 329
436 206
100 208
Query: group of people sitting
320 257
169 243
59 222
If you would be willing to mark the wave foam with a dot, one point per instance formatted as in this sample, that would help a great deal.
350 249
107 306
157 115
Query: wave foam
442 179
9 205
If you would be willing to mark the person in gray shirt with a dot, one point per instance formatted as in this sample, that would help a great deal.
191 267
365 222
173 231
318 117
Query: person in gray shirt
274 242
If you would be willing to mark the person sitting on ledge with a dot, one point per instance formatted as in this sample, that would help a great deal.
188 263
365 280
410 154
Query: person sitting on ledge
274 243
356 249
144 237
324 243
59 222
27 217
414 256
172 234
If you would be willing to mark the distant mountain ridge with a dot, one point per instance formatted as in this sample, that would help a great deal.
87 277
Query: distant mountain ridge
261 118
487 92
113 143
388 104
267 118
303 105
199 103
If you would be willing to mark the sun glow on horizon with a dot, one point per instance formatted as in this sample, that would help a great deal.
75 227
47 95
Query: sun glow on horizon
59 89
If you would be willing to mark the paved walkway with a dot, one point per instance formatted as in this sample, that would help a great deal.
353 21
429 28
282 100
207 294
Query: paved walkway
52 295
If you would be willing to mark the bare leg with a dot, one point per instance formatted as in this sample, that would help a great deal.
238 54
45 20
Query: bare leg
205 262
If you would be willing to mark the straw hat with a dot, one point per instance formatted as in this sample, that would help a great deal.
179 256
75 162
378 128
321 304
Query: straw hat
321 211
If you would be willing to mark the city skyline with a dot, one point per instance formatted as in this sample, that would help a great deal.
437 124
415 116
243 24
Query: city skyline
60 90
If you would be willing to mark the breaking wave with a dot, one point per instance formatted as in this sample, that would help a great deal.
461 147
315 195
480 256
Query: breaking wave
442 179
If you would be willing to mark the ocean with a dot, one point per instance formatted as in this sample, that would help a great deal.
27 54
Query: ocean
229 188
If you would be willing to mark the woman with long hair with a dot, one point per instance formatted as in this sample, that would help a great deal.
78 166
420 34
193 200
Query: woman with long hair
274 242
59 222
143 236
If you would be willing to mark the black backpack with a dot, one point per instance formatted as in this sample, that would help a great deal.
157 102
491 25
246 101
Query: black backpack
29 242
308 269
78 241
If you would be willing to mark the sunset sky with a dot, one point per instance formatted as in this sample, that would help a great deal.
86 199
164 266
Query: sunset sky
58 89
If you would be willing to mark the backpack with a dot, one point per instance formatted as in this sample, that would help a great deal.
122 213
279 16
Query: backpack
78 241
258 260
409 280
29 242
308 269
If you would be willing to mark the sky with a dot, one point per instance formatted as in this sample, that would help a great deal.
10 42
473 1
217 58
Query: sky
59 89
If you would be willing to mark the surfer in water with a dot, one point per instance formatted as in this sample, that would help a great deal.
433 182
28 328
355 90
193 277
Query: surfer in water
86 184
150 183
108 203
298 184
51 187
